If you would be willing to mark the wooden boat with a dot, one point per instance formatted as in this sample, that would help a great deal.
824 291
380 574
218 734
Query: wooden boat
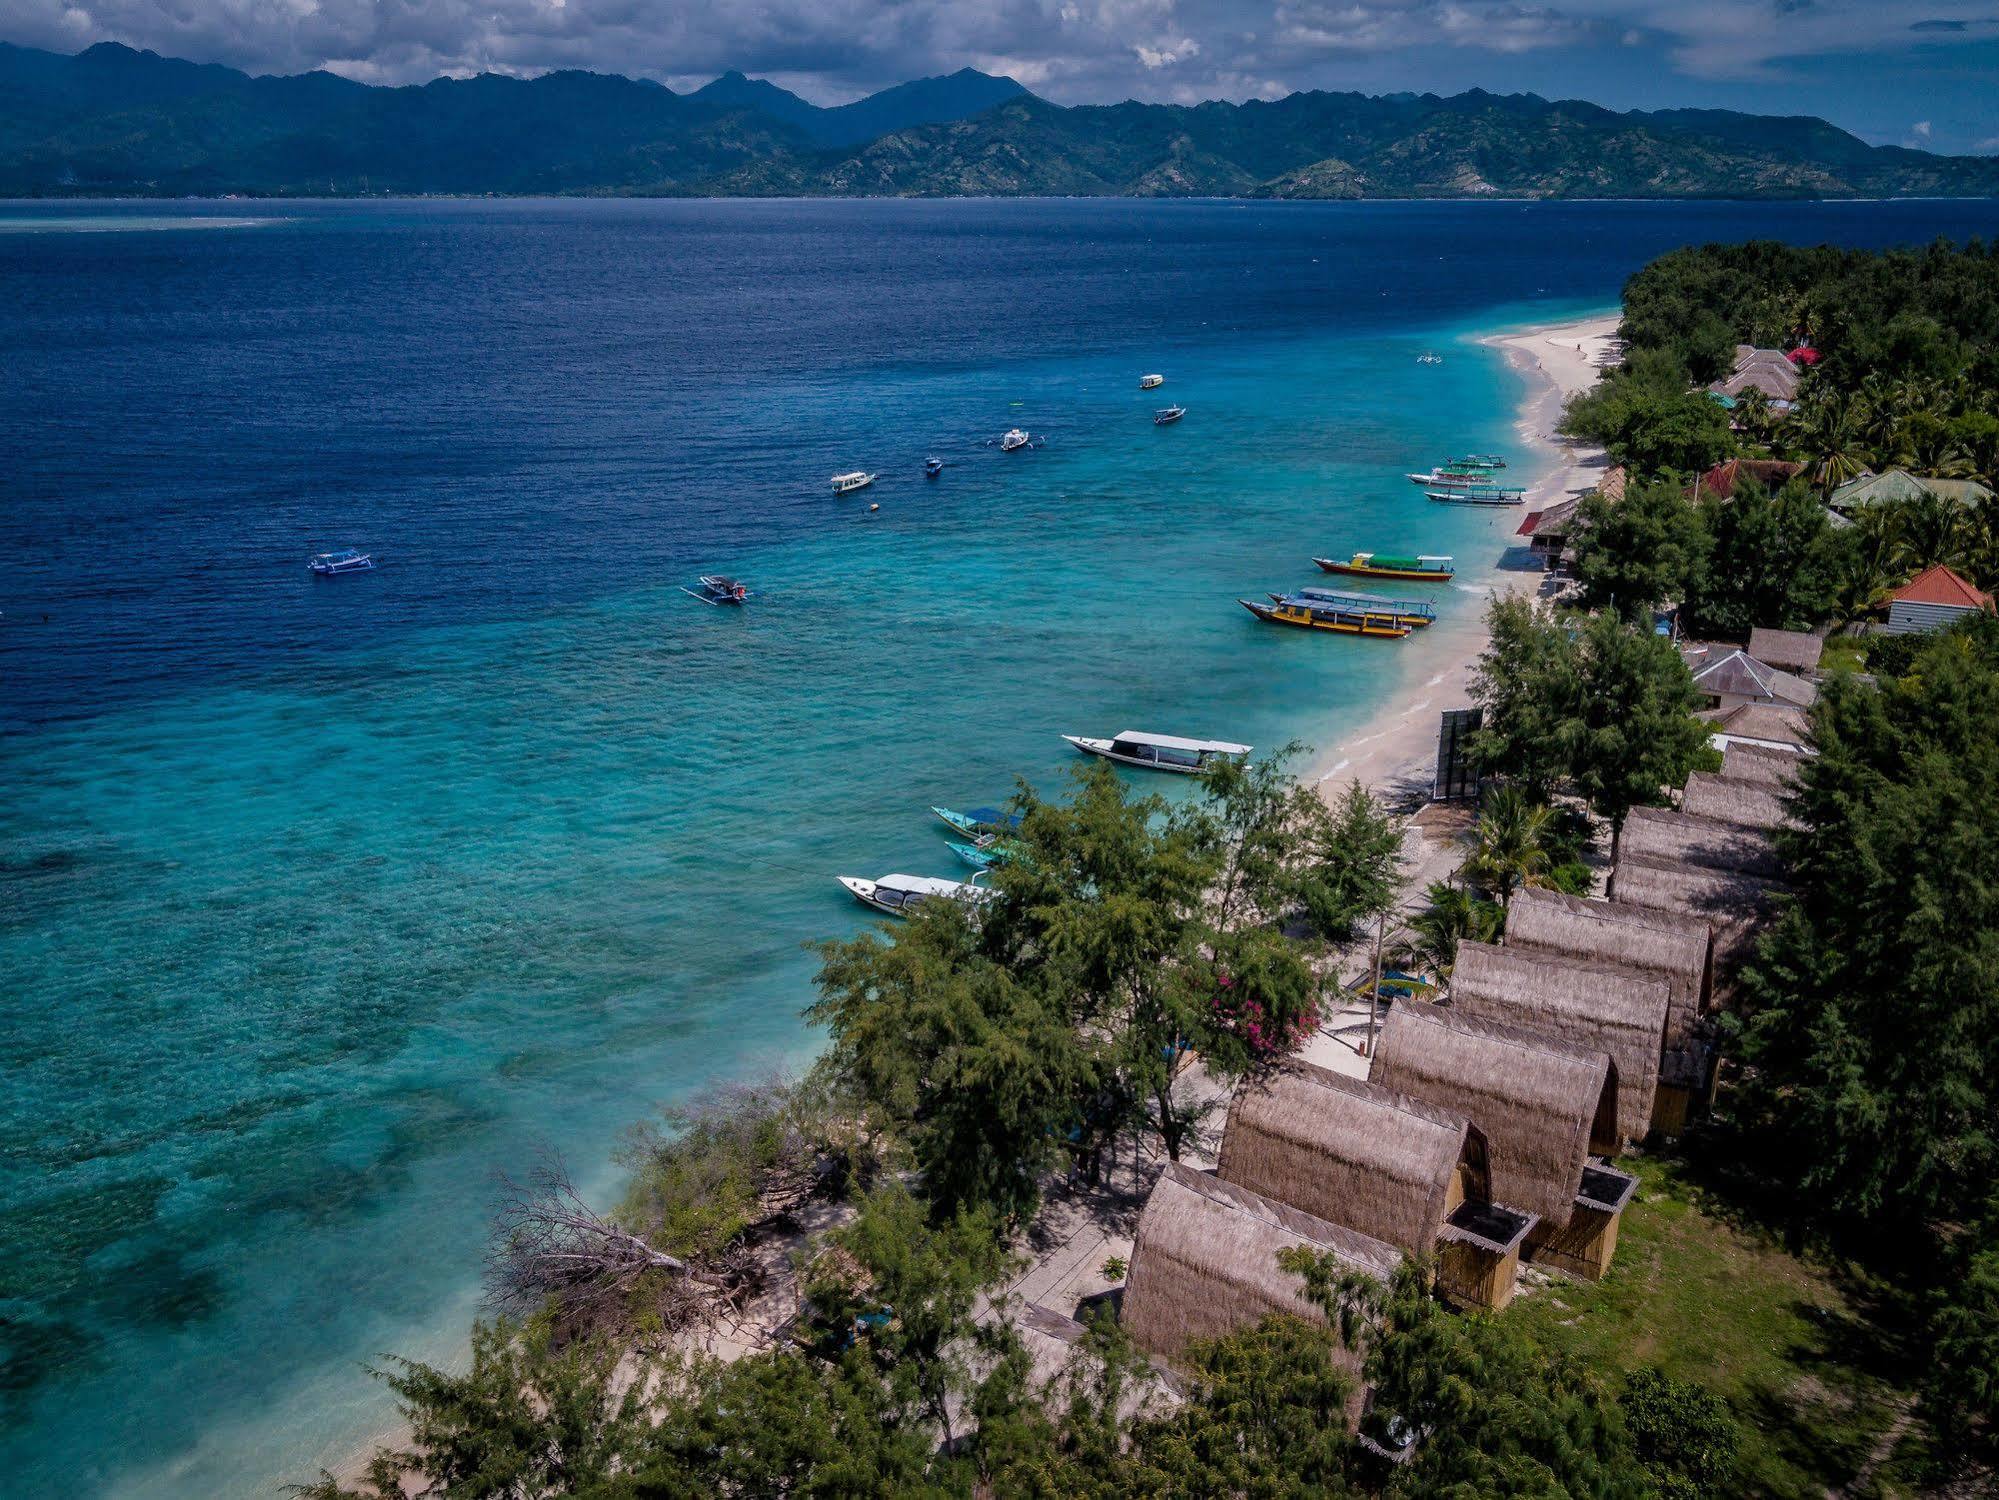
1423 568
1158 752
898 895
1326 614
333 564
985 856
1490 494
1151 382
1414 613
718 588
1168 415
1478 461
1446 476
846 484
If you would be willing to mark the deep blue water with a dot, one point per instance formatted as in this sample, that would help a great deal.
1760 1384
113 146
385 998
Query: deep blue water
321 900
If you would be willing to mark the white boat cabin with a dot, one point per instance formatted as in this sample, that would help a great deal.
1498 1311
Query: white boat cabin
898 895
846 484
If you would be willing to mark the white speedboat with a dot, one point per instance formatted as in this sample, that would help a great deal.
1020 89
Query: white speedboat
1151 382
898 895
1158 752
846 484
1014 437
333 564
1168 415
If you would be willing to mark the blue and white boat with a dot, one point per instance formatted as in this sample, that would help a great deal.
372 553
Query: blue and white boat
1158 752
332 564
980 856
980 824
932 467
1166 416
718 588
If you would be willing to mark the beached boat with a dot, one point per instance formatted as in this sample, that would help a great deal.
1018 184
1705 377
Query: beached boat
1151 382
333 564
1330 614
718 588
1168 415
932 467
1157 752
1424 567
981 824
1488 494
1415 613
846 484
898 895
1013 438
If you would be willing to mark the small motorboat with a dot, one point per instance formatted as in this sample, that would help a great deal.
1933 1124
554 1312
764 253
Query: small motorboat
1478 461
1013 438
1151 382
1424 568
846 484
932 467
1168 415
1328 614
1413 613
1429 357
333 564
981 825
898 895
718 588
1158 752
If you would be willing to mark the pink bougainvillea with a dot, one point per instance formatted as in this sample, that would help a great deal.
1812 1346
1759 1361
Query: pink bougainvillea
1266 1036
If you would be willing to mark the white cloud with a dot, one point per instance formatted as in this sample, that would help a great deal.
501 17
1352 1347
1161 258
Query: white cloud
1167 56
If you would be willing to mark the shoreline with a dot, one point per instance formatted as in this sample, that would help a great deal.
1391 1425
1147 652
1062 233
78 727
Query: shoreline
1393 752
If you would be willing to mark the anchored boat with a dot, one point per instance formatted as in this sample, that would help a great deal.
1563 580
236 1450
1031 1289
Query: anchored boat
898 895
1013 438
981 825
932 467
1423 568
846 484
1486 494
1168 415
1373 617
333 564
718 588
1478 461
1158 752
1414 613
1151 382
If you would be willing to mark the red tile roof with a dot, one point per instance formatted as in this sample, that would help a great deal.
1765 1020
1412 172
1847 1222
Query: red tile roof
1768 472
1939 585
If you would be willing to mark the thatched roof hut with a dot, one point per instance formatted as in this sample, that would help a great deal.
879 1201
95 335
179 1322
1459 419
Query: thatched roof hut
1204 1262
1673 946
1544 1104
1667 838
1620 1009
1764 763
1731 799
1771 724
1353 1153
1732 903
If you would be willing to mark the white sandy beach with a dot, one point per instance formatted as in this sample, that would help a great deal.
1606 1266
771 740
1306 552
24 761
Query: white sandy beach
1395 751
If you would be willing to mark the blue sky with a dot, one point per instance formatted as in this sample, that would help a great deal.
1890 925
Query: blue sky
1914 72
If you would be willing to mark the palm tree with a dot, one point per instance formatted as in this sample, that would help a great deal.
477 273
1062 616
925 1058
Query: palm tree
1753 414
1930 530
1510 843
1429 943
1829 438
1868 565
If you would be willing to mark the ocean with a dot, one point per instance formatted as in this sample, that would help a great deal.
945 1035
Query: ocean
323 900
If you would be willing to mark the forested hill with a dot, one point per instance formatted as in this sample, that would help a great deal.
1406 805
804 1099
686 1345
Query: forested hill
114 121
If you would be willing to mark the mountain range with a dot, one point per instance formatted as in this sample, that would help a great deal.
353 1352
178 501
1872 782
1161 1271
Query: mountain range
114 121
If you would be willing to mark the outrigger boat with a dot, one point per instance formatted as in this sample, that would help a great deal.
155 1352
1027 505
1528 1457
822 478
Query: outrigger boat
718 588
1328 614
1014 438
1478 461
1158 752
1447 475
985 856
1420 569
932 467
1168 415
1488 494
1151 382
846 484
898 895
1414 613
981 825
333 564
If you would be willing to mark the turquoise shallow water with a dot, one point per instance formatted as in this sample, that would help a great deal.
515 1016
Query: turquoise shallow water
322 901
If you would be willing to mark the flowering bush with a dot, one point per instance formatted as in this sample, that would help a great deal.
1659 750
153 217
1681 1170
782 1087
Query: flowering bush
1264 1031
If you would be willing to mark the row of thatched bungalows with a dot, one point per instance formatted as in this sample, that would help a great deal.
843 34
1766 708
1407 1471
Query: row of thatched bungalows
1486 1128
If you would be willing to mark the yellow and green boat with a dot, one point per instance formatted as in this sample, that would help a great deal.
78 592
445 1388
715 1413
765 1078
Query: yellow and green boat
1419 569
1343 614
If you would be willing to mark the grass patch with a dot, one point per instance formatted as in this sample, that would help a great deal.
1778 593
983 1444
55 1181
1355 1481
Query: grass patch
1794 1347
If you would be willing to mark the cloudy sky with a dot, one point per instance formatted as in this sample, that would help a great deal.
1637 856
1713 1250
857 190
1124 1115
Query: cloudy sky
1915 72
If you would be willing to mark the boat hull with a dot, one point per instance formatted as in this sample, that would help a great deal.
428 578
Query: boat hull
1473 497
1103 748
